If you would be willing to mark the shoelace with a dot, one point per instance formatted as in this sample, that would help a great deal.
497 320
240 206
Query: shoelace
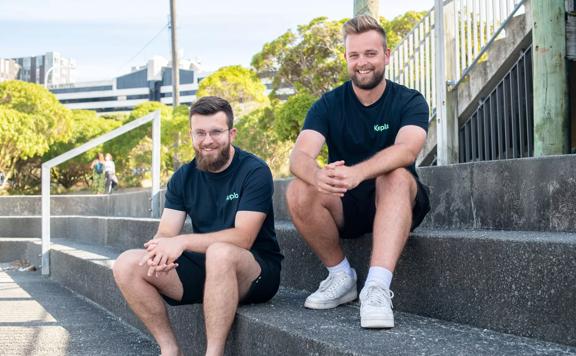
377 296
329 286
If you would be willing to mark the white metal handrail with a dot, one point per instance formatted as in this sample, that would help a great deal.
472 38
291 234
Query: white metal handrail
46 166
412 61
476 23
487 23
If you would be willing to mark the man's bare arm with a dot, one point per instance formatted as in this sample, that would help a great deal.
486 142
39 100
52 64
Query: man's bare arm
171 223
402 153
246 227
163 251
303 163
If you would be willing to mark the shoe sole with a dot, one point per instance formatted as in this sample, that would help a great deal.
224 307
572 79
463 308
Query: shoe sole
346 298
377 323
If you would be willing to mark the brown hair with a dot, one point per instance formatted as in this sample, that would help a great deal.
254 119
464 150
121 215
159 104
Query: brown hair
210 105
362 24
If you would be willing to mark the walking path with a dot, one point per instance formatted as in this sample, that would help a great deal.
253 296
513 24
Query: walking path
40 317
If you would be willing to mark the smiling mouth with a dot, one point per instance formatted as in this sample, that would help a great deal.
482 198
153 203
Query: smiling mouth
364 71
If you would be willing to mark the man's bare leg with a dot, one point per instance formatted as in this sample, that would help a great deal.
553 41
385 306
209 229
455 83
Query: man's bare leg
395 195
230 270
142 293
317 216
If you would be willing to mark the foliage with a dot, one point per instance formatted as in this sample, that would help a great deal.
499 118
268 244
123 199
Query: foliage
310 60
289 116
86 125
31 119
133 151
240 86
256 134
400 26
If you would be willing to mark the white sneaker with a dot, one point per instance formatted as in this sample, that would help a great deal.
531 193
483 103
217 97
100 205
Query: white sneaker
338 288
376 306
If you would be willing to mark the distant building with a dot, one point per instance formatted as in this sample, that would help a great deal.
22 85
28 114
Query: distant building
152 82
50 68
8 69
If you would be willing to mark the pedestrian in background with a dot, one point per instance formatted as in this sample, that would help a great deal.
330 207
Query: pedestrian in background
97 167
110 174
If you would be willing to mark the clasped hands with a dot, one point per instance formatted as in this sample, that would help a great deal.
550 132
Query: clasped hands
161 254
337 178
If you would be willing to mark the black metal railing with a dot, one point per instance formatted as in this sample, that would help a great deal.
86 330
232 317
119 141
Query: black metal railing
501 127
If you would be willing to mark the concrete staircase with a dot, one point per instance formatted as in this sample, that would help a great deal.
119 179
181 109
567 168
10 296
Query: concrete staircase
491 271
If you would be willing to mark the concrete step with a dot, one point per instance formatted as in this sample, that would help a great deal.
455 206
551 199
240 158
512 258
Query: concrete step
516 282
533 194
522 283
120 232
40 317
283 327
519 282
529 194
129 204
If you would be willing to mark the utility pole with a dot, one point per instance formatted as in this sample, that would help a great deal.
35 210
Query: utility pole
175 64
367 7
551 124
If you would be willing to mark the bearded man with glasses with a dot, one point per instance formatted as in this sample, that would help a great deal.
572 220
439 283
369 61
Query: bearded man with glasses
231 257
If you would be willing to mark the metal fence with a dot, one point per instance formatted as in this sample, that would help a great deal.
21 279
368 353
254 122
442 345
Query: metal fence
412 61
502 125
475 25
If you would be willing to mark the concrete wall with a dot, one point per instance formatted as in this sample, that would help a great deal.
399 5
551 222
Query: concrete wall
134 204
537 194
520 194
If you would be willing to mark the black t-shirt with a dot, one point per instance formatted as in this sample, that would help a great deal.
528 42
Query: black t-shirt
213 199
354 132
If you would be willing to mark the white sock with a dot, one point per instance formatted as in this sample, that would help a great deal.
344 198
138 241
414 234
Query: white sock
343 266
380 275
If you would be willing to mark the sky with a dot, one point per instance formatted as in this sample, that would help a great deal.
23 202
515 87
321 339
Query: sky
107 37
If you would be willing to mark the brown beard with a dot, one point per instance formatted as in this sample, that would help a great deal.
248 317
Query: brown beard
377 78
205 164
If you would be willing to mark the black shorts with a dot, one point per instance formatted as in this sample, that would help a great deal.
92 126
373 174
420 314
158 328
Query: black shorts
360 208
192 273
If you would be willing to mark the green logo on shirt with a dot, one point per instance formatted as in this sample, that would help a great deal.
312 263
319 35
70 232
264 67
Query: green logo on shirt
232 196
381 127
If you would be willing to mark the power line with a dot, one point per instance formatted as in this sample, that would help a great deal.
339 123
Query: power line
146 45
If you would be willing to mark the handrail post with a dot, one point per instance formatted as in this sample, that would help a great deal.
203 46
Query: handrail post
45 219
156 166
441 122
46 166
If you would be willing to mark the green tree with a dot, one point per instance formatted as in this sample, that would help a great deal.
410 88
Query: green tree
311 59
256 134
133 150
86 125
240 86
289 116
400 26
31 120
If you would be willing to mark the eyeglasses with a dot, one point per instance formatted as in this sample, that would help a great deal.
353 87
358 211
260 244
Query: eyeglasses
215 134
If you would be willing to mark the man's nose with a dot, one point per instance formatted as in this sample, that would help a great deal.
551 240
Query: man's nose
362 60
208 138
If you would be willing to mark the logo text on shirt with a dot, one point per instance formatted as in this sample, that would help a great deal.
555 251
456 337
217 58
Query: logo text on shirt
381 127
232 196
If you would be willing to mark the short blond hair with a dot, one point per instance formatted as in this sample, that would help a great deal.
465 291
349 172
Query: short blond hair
362 24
